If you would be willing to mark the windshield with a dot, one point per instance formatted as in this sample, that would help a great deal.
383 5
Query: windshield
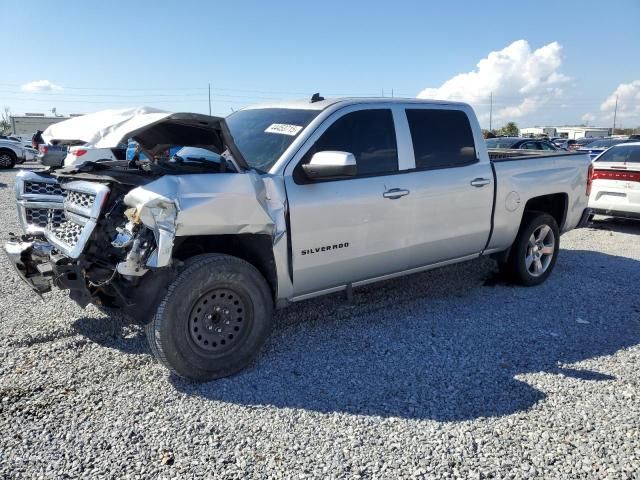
262 135
621 154
500 142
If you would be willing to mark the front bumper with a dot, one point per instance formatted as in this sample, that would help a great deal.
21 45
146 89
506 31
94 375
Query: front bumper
29 256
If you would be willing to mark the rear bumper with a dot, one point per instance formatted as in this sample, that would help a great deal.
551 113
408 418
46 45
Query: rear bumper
584 218
616 213
616 198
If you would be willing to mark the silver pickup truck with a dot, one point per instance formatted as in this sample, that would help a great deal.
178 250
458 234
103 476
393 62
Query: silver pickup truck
301 199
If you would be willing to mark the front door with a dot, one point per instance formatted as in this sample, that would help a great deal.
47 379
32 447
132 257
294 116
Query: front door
350 229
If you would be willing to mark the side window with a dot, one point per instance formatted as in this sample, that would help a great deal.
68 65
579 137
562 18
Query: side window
546 146
369 134
441 138
529 146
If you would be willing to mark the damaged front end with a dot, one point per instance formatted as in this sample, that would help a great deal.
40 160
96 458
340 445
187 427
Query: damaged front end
112 230
99 251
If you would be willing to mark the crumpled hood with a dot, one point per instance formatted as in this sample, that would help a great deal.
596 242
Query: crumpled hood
107 127
155 130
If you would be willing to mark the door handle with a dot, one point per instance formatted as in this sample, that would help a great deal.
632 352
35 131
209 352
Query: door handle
480 182
395 193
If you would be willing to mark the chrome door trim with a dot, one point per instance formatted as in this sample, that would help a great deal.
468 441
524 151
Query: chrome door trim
389 276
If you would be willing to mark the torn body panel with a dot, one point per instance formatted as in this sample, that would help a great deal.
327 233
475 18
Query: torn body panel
215 204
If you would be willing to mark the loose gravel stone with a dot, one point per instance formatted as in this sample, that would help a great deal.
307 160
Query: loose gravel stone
446 374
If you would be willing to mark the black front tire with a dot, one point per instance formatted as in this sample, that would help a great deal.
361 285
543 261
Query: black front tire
531 259
213 320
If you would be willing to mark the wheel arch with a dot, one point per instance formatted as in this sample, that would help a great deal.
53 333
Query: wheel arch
257 249
555 204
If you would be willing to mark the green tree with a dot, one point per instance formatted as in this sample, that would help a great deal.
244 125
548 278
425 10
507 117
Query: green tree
627 131
5 122
510 129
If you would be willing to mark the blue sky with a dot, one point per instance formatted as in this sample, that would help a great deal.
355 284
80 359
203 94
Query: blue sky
165 53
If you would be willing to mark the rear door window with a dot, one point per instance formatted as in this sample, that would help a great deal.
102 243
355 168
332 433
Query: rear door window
441 138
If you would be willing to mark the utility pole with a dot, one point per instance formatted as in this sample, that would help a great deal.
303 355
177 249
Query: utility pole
392 93
615 114
490 110
209 99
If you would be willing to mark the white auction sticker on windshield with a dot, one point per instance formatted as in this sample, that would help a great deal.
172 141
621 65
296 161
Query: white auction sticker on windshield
283 129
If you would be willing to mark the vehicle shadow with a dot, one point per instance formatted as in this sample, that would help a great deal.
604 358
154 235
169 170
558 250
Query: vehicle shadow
621 225
438 345
112 332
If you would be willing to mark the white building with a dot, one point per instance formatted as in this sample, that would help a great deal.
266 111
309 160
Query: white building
566 132
26 125
573 133
538 131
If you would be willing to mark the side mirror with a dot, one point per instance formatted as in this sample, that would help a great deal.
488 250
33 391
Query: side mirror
331 164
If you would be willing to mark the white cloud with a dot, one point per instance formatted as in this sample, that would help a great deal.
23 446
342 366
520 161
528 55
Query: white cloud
628 95
40 86
522 81
588 118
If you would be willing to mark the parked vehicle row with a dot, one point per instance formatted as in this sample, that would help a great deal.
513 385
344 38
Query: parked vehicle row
595 148
519 143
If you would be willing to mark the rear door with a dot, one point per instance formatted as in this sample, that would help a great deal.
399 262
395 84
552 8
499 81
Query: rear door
347 230
451 186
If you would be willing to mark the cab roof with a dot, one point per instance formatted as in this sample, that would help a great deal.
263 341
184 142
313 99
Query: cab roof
306 104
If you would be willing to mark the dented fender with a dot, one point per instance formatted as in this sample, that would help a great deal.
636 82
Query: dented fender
202 204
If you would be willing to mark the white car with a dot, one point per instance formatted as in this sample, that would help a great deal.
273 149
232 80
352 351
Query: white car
81 154
615 181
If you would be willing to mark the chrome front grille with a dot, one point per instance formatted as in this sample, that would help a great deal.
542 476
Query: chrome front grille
67 232
43 188
40 217
82 206
38 195
80 199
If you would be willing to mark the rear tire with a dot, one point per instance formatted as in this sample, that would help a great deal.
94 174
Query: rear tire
7 159
535 250
213 320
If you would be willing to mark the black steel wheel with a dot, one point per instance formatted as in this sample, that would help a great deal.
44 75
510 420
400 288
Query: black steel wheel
219 321
214 318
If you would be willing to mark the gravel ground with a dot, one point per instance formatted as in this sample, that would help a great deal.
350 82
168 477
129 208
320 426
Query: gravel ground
449 374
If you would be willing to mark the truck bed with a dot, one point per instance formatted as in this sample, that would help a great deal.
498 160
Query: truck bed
563 174
504 154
